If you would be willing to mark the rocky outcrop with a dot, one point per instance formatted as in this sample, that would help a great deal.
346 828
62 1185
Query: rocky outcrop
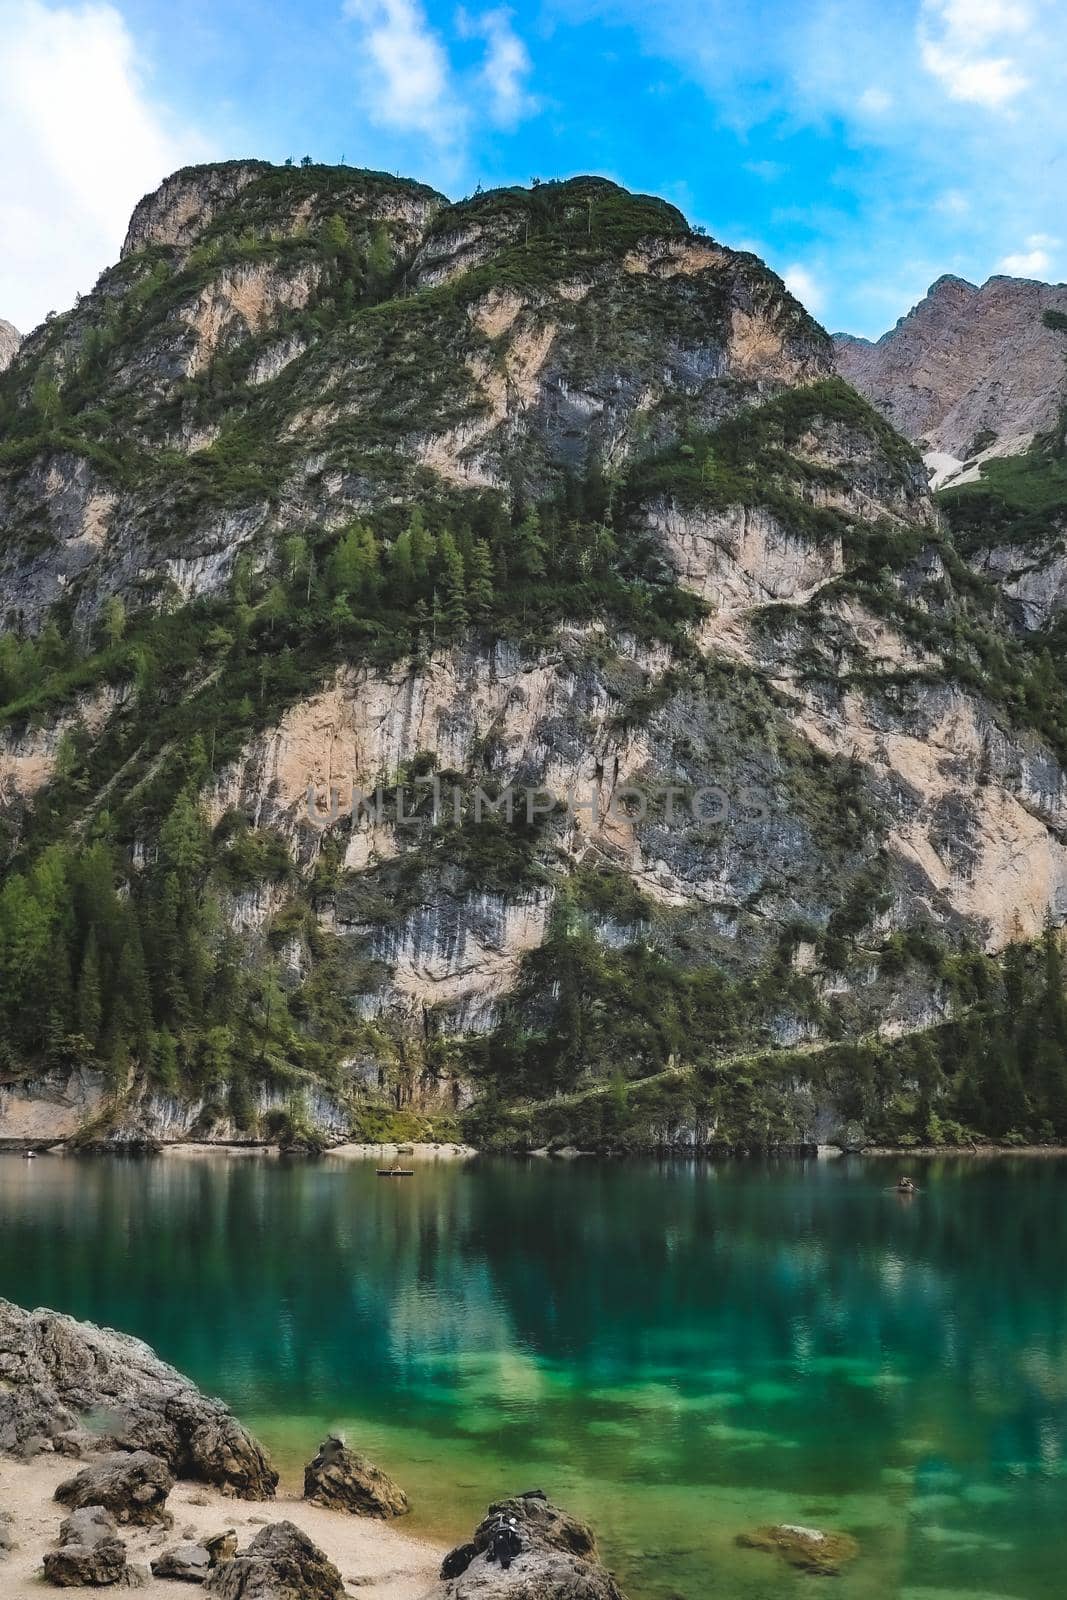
56 1370
557 1557
133 1486
281 1563
10 339
970 370
177 213
78 1105
90 1553
344 1481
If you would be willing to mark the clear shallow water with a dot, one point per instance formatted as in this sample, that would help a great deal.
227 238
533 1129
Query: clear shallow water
678 1352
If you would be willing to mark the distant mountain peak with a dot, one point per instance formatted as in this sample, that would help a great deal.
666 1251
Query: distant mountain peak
969 368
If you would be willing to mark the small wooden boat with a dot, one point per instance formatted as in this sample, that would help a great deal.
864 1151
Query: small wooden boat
396 1172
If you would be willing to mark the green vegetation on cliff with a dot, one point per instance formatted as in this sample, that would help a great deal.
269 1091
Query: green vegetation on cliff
379 428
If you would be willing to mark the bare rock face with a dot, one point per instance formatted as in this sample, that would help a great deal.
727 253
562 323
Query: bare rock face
281 1563
10 339
177 213
557 1557
344 1481
133 1487
90 1553
54 1369
964 364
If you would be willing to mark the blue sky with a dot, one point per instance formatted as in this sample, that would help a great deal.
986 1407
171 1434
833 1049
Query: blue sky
861 148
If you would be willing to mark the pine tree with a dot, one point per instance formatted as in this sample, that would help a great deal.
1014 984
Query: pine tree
422 546
379 261
89 1004
165 1059
58 993
453 584
132 985
402 569
480 579
352 570
529 547
273 606
335 234
183 836
340 617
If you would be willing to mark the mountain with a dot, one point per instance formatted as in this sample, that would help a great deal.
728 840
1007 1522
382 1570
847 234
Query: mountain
333 486
10 339
969 372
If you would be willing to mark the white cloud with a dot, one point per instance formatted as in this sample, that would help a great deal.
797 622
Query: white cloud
801 282
1032 262
954 36
875 101
506 68
411 82
405 70
82 141
953 203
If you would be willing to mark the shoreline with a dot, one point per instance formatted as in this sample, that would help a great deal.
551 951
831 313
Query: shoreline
369 1554
191 1149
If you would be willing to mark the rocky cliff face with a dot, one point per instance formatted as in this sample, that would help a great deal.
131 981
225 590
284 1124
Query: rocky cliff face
10 339
460 656
970 372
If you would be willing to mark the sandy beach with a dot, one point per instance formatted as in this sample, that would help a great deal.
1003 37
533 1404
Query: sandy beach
374 1558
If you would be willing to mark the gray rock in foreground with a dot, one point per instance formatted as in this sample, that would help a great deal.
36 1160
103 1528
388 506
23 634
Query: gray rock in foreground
54 1370
91 1554
281 1563
132 1486
558 1560
190 1563
342 1480
88 1525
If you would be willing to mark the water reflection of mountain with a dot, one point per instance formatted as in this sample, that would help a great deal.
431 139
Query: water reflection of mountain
684 1297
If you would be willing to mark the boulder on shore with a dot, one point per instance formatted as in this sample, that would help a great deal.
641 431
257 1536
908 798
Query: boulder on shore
54 1370
191 1561
188 1562
90 1554
809 1549
558 1559
281 1563
133 1487
342 1480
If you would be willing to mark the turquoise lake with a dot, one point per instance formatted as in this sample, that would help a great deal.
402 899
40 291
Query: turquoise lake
678 1351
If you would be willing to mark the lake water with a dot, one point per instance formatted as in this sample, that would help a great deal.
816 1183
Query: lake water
677 1351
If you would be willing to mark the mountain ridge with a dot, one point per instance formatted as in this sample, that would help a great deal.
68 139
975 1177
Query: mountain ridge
970 371
332 484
